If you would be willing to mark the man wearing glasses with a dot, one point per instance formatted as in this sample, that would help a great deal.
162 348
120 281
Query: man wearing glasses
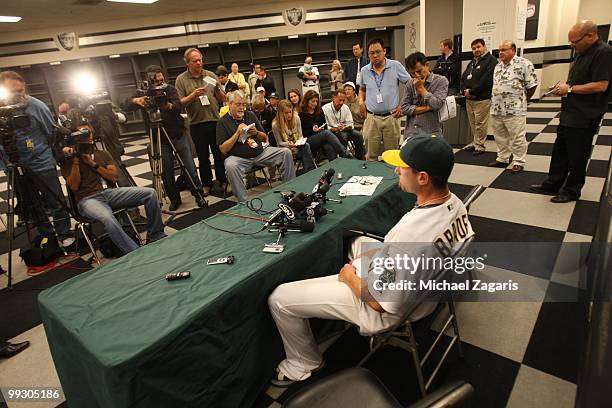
514 83
241 139
379 97
585 100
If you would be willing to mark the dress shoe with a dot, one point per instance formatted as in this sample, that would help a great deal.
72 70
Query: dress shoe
478 152
497 164
517 168
206 191
10 349
540 189
174 205
469 148
562 198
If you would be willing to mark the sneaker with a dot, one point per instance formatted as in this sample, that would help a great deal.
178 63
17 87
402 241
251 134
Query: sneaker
226 188
174 205
66 242
517 168
206 191
282 381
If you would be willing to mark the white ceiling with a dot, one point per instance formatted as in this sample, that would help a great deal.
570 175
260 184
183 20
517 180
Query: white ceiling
39 14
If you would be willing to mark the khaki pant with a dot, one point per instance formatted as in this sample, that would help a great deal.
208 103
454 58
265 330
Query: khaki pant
478 115
509 132
377 129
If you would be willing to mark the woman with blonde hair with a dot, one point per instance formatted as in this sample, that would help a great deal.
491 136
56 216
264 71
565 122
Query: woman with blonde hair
287 130
336 76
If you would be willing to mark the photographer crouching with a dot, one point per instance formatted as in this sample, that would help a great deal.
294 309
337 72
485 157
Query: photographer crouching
34 152
92 177
163 98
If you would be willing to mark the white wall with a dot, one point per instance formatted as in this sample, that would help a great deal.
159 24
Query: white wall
221 12
439 24
412 30
599 11
494 21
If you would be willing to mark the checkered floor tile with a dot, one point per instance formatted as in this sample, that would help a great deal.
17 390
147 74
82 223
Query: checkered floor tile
517 354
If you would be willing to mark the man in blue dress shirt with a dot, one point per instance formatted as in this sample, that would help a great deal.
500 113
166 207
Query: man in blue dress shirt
379 97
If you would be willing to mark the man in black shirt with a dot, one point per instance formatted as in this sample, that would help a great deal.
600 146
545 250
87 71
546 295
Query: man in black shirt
477 84
353 66
174 124
226 84
448 66
240 137
585 100
265 80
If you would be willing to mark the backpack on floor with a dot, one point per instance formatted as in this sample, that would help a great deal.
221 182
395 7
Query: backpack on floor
43 251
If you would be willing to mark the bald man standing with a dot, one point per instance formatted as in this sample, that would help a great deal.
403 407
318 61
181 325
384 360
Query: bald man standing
514 83
585 100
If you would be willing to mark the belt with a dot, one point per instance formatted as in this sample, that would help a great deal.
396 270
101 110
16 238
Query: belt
380 114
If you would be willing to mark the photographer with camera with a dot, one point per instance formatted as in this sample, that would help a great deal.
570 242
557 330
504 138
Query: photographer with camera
165 99
34 152
104 117
92 175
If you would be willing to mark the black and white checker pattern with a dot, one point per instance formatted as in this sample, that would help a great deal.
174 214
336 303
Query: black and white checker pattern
519 354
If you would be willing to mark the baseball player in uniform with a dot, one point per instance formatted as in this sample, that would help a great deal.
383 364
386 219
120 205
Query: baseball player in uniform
438 220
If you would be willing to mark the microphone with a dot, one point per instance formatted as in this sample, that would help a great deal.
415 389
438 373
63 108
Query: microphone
287 209
300 226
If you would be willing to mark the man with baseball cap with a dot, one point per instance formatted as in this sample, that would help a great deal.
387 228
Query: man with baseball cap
437 223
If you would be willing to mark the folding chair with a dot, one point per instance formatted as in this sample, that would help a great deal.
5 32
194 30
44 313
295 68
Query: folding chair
84 225
407 335
358 387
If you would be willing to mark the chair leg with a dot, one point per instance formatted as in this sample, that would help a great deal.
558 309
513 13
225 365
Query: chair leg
417 366
89 243
451 309
135 231
265 173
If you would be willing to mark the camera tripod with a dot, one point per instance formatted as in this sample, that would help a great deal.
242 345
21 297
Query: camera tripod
11 170
156 128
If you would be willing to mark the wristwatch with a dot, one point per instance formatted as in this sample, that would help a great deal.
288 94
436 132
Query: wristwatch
569 89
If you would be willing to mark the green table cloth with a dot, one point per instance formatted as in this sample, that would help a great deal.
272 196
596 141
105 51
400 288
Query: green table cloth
123 336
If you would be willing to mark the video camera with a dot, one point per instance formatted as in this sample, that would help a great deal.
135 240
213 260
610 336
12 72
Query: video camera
96 106
156 96
80 141
12 117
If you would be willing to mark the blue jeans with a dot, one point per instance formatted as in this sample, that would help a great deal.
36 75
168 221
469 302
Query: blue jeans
237 167
357 138
305 155
101 205
183 149
329 143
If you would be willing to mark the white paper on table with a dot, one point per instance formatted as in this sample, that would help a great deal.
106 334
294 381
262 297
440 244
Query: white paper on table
360 185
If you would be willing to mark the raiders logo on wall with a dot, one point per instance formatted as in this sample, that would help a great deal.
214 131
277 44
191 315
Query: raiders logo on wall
294 16
68 41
